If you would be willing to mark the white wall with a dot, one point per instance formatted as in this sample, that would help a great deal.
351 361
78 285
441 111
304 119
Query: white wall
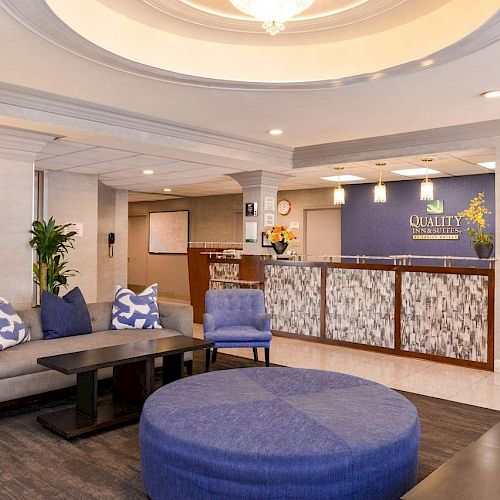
16 215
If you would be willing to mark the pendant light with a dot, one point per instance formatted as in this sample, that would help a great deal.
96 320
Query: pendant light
426 186
380 191
339 192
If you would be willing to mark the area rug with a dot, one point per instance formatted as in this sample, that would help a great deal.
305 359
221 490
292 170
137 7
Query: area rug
37 464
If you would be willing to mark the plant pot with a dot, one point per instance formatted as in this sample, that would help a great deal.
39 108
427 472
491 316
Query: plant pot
279 247
483 250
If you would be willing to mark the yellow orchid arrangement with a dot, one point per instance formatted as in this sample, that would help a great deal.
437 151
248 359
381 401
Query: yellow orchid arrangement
280 233
474 215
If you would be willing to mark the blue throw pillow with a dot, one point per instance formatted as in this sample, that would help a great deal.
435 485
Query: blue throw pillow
65 316
138 311
12 329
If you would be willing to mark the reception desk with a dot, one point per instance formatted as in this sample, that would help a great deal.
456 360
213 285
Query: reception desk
439 313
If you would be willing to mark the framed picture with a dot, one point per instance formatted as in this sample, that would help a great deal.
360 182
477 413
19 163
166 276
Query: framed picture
168 232
265 242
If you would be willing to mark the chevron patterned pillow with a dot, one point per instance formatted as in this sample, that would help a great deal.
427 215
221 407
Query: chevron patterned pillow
12 329
139 311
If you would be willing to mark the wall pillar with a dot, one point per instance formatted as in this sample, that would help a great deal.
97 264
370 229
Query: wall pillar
497 255
258 187
18 150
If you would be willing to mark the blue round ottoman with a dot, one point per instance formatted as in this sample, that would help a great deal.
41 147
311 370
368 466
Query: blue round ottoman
278 433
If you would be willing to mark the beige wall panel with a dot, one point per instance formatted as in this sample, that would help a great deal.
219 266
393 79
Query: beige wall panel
16 213
74 198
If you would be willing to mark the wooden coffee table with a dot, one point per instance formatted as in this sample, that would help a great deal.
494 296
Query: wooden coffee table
133 381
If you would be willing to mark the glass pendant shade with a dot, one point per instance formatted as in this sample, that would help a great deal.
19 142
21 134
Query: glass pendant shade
272 13
426 190
339 196
380 193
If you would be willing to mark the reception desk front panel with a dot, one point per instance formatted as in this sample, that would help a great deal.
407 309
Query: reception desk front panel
360 306
445 315
435 313
293 297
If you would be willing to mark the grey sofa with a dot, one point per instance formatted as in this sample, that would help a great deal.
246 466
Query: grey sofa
21 376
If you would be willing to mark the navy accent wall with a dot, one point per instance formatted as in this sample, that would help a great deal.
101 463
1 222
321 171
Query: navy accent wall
383 228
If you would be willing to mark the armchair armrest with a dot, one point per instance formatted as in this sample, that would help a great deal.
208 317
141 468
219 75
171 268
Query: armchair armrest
208 322
264 322
175 316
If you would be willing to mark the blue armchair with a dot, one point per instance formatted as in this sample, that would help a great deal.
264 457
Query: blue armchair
236 318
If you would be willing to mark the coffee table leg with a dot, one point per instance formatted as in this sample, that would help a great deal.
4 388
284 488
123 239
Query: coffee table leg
207 360
172 367
86 394
133 382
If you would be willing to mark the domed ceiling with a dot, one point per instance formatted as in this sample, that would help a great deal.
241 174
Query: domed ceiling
321 15
210 43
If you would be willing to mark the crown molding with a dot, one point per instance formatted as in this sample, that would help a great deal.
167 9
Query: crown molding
21 145
259 178
40 106
36 16
438 140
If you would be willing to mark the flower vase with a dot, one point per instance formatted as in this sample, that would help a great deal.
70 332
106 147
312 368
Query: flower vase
279 247
483 250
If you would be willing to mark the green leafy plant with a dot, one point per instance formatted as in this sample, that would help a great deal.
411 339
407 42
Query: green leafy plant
51 242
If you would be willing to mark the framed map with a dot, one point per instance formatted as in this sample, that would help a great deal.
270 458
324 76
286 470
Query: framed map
168 232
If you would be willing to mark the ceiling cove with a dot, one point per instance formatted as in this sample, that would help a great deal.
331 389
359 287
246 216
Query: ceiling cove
37 16
322 15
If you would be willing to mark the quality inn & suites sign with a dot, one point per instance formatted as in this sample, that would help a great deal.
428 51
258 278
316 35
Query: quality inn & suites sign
435 227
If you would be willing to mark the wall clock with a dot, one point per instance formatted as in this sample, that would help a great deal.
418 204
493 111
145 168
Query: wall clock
284 207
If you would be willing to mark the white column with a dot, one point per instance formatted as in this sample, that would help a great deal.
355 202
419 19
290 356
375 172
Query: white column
17 156
497 254
258 187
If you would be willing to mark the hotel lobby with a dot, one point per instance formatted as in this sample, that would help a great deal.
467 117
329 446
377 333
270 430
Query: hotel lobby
249 249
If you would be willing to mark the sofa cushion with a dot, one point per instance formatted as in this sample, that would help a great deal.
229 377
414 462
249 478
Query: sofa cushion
132 310
12 329
65 316
31 318
22 359
237 334
100 315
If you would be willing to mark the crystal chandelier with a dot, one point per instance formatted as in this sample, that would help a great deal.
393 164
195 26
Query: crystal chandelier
426 186
273 13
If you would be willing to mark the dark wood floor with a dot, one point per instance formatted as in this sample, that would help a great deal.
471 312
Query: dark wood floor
38 464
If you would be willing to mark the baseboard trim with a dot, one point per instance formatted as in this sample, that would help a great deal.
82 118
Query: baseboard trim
496 366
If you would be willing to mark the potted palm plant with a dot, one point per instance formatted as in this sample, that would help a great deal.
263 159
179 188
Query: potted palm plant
474 215
51 242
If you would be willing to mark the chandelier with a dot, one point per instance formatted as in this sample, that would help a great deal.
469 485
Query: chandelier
272 13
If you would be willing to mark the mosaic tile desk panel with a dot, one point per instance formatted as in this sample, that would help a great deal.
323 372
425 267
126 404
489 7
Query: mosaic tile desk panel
445 314
360 306
293 298
226 271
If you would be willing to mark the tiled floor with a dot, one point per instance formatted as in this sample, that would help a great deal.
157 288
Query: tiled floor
465 385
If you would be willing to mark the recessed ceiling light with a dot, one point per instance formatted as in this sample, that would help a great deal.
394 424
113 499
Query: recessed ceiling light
490 94
488 164
343 178
167 190
426 62
148 172
415 172
275 131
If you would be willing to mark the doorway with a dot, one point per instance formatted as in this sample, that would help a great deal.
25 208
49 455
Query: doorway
322 232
